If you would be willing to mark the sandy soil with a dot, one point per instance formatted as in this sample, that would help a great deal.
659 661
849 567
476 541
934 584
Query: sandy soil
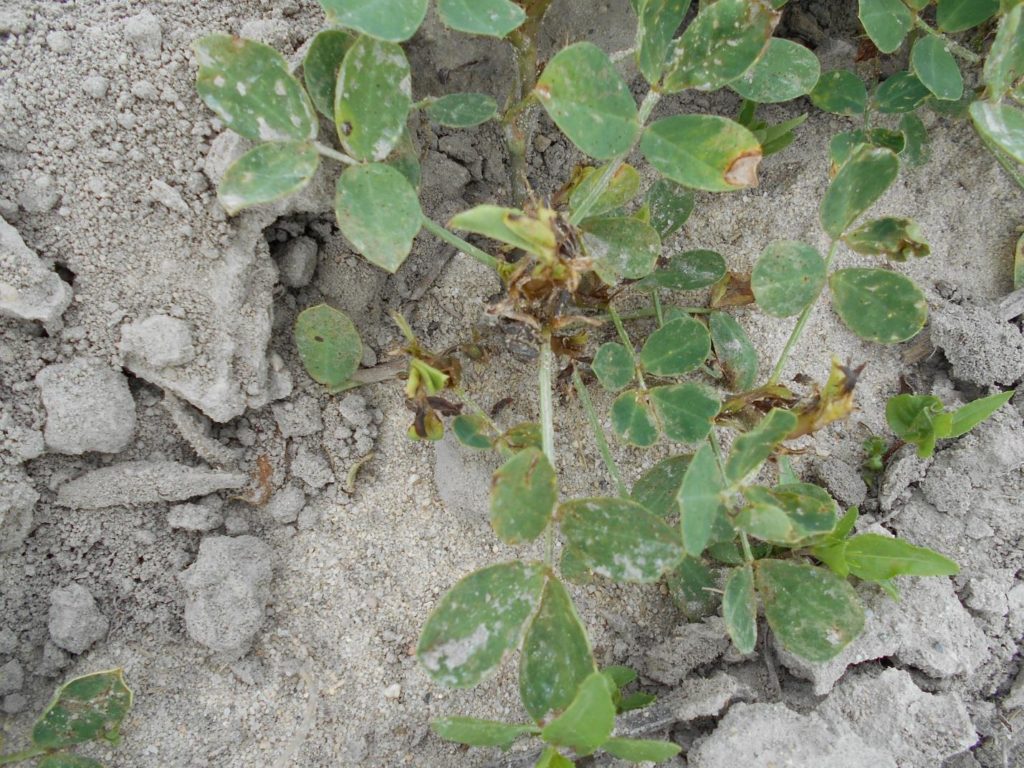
107 170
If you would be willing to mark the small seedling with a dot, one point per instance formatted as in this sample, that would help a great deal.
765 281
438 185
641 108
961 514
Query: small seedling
708 522
923 419
87 708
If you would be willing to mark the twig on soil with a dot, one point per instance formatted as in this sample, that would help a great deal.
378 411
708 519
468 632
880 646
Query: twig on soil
291 749
769 664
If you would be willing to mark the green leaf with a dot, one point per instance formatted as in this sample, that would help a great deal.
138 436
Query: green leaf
494 18
912 418
687 271
703 151
725 39
1001 124
620 675
589 101
787 277
658 487
678 347
750 449
552 758
378 212
915 140
775 138
472 431
785 72
1004 64
372 98
589 720
621 247
739 609
250 88
886 22
656 26
619 539
614 366
736 354
556 656
632 419
87 708
636 700
935 66
641 750
391 20
787 514
813 612
669 205
405 158
842 145
833 555
860 182
692 587
480 733
967 417
895 238
687 411
874 557
328 345
67 760
520 437
878 305
524 491
462 110
840 92
321 65
903 92
622 188
700 500
478 621
493 221
267 173
958 15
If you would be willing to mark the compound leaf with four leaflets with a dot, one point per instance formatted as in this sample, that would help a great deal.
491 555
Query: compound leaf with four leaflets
379 212
250 88
619 539
589 101
478 621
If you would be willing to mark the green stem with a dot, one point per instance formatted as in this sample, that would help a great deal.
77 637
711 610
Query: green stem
748 555
798 329
621 329
25 754
656 299
468 248
646 107
547 426
334 154
954 47
595 427
642 314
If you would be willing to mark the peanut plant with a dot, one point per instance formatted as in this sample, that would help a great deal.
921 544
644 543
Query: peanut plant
87 708
734 527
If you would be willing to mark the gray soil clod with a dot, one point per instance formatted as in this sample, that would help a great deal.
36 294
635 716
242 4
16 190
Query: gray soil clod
75 621
144 482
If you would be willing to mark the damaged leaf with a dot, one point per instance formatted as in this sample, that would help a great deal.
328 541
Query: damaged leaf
462 110
892 237
321 65
391 20
687 271
678 347
493 18
87 708
524 491
878 305
480 733
632 419
328 345
787 278
267 173
739 609
703 151
786 71
372 99
736 354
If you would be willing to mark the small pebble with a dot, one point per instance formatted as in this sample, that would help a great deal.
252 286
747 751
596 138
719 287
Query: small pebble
393 691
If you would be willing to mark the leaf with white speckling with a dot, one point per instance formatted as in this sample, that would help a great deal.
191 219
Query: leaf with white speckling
250 88
266 173
478 621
